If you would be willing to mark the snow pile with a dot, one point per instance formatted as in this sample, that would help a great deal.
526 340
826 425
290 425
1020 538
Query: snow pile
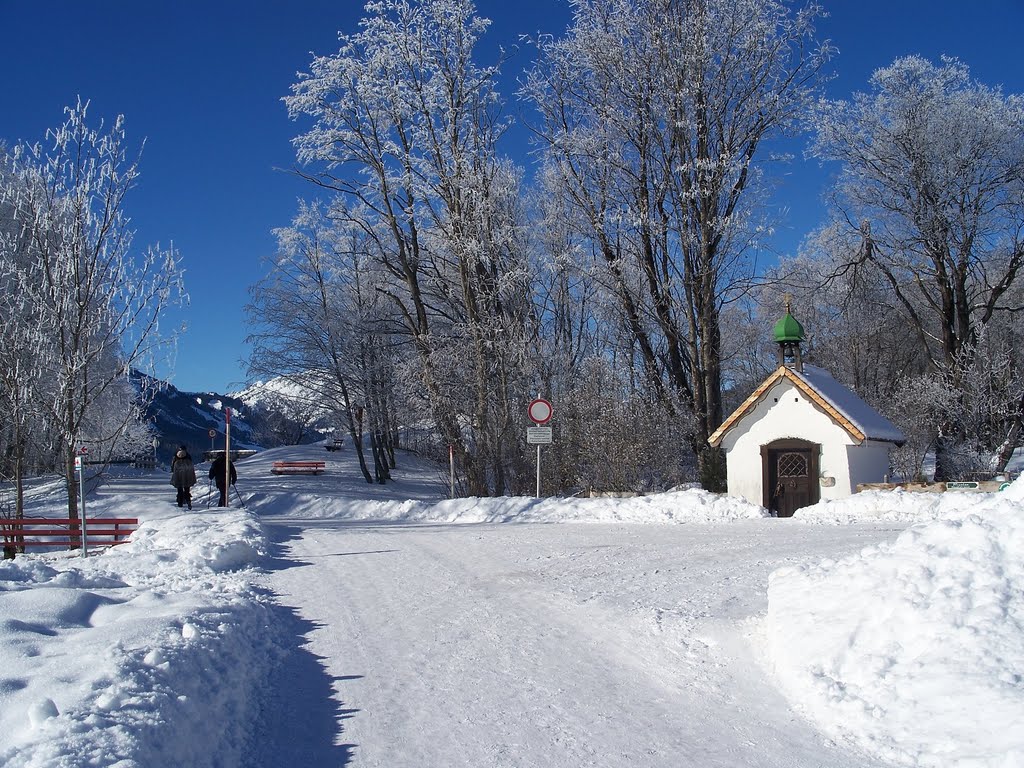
914 649
215 541
896 506
686 506
155 648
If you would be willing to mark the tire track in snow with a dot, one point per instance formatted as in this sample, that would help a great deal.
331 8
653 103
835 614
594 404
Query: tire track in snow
458 645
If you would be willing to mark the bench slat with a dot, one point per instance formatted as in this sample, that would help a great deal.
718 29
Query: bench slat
90 531
70 543
298 467
18 533
19 521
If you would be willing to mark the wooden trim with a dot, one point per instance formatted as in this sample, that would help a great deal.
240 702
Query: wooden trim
746 405
784 372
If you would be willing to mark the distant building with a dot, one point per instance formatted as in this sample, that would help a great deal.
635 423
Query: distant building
802 436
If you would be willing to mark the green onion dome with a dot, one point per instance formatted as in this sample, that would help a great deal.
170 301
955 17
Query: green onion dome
788 329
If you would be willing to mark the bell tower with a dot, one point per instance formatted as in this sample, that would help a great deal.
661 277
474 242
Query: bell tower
788 335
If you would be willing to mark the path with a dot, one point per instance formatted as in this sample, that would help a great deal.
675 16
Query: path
539 645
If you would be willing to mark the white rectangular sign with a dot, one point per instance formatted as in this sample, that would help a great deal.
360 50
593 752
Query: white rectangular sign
538 435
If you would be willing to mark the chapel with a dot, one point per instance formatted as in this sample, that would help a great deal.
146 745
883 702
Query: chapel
802 436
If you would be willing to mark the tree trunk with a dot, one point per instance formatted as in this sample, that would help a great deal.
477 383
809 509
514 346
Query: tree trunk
355 430
1005 452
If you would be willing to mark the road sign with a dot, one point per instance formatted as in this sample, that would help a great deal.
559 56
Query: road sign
213 433
962 486
1004 486
78 462
540 411
538 435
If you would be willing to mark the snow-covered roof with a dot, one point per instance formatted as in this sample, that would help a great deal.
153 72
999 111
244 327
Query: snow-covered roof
842 404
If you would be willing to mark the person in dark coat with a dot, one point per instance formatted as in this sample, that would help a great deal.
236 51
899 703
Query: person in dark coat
217 475
183 476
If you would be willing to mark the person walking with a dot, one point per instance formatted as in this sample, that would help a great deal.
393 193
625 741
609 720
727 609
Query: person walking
183 476
217 475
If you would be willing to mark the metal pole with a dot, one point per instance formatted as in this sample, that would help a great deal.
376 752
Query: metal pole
81 491
227 457
451 467
538 470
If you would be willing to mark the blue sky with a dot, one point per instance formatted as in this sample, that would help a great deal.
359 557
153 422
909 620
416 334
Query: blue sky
202 81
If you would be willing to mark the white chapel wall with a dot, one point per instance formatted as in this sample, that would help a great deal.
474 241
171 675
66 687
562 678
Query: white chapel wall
785 412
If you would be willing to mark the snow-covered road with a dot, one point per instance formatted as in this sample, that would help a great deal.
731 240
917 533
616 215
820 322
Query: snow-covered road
539 645
336 623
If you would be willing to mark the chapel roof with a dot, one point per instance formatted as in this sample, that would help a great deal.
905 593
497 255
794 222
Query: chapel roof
843 405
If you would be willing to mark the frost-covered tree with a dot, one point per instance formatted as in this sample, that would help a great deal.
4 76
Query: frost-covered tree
932 181
653 117
95 302
26 357
851 325
307 320
405 126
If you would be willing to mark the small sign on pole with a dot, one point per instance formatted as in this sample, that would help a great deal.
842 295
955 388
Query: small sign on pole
538 435
540 412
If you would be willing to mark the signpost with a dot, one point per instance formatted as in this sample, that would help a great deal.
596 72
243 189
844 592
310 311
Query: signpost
540 413
79 467
451 469
227 457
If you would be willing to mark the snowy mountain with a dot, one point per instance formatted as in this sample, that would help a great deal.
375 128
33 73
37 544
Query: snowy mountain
299 396
261 417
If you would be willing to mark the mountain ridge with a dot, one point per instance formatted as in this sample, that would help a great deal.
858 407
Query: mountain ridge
262 416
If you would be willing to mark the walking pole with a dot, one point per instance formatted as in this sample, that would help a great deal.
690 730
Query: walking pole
238 495
209 494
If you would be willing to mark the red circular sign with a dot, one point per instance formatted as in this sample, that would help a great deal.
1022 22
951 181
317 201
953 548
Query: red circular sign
540 411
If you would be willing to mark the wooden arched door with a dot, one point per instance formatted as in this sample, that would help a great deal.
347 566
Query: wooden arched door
790 475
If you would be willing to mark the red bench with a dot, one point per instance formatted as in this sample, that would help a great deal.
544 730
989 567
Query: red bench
298 467
54 531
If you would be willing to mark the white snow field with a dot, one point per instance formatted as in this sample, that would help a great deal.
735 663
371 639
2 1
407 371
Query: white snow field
335 623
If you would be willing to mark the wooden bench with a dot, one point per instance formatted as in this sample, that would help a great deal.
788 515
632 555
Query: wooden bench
16 533
298 467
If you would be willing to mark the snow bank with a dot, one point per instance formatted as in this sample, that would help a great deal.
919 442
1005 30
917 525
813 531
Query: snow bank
152 653
686 506
896 506
914 649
